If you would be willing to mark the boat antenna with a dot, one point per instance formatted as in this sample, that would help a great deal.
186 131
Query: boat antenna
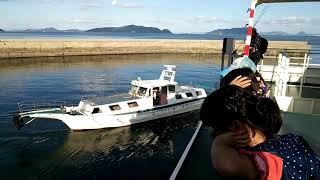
265 9
235 51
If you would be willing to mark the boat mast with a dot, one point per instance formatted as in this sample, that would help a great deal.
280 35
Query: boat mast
249 28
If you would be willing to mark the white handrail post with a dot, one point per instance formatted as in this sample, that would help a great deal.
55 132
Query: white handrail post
304 68
276 89
286 76
261 65
283 75
185 153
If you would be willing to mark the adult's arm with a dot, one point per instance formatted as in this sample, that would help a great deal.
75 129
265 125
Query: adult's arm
227 160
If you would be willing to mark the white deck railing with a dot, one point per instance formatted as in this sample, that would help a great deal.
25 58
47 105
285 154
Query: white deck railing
26 106
282 76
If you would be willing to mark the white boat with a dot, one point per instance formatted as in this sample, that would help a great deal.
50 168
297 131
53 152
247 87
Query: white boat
147 100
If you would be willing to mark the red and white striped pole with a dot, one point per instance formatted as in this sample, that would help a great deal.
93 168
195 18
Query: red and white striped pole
249 28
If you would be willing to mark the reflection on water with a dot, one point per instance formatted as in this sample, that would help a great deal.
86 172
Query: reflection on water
141 151
48 150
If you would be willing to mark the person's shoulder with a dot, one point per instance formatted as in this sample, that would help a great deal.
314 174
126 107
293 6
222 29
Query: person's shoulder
291 137
294 139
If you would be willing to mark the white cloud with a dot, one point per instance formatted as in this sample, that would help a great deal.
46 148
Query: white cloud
205 20
315 20
50 1
125 5
161 22
87 5
289 21
114 2
84 21
291 24
81 21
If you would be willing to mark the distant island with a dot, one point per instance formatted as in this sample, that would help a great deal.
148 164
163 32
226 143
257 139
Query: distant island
275 33
130 29
228 32
231 32
123 29
243 31
51 29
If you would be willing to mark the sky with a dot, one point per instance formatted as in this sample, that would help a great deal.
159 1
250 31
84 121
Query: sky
179 16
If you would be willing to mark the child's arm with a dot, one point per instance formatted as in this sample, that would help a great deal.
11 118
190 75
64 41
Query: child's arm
228 161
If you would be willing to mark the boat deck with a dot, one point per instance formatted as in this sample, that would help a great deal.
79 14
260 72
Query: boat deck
198 165
111 99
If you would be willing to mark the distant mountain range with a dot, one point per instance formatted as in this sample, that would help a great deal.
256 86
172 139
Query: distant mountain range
51 29
227 32
243 31
130 29
276 33
123 29
142 29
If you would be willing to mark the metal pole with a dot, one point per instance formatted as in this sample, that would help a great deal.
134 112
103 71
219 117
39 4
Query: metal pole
304 68
222 61
249 28
185 153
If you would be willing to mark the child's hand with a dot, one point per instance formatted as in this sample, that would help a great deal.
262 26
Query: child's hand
243 138
238 139
240 81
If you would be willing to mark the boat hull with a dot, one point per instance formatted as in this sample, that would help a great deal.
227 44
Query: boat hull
99 121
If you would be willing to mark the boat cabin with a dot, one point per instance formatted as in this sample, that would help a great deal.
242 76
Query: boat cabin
164 90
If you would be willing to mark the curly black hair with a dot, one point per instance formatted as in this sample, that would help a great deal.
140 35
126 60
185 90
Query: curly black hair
227 104
244 72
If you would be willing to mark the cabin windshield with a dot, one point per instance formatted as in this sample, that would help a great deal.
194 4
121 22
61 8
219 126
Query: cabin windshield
133 89
142 91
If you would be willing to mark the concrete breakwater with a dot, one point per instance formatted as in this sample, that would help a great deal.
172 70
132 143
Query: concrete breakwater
49 48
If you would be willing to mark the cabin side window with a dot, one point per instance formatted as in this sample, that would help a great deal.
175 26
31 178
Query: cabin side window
178 96
172 88
199 93
96 110
115 107
142 91
133 89
132 104
168 73
167 78
189 94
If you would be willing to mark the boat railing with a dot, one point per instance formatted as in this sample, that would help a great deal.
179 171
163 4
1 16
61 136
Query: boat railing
298 61
27 106
298 103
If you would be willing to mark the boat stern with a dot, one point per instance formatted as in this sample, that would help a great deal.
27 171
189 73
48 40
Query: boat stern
23 118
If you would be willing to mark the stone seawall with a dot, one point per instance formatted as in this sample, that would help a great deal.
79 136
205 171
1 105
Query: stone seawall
50 48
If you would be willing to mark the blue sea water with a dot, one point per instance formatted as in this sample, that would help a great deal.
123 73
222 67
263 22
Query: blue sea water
48 150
